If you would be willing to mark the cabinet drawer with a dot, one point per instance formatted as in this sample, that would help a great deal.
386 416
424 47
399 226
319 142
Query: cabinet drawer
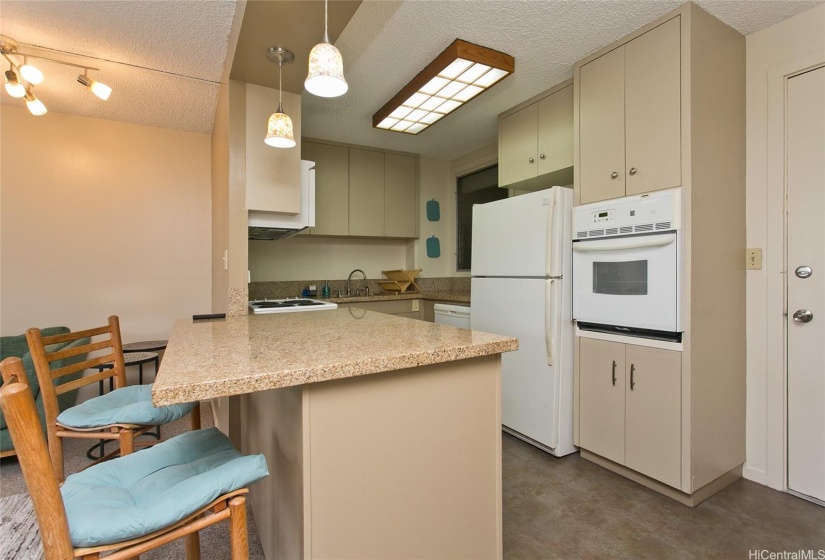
393 306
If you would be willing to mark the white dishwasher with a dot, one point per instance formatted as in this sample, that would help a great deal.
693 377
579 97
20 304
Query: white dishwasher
453 315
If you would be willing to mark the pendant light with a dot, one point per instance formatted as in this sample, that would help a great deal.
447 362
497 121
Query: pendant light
279 128
326 67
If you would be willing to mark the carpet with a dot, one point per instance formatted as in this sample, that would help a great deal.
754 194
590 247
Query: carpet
21 539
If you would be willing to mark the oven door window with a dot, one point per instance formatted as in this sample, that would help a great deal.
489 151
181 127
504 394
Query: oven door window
625 278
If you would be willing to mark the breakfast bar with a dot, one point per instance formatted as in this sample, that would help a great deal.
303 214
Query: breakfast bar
382 433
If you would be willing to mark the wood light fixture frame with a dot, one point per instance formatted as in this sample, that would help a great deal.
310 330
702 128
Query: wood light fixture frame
459 49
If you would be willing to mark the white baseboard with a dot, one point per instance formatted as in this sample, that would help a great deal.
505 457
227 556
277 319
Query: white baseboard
755 475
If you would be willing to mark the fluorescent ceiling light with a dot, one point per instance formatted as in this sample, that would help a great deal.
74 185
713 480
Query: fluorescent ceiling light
458 74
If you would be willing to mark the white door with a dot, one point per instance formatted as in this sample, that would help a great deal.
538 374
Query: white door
806 283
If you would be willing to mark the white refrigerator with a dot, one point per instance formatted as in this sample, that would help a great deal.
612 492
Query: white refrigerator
521 272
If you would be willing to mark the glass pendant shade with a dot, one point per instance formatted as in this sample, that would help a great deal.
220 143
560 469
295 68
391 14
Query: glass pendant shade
279 130
31 74
326 72
13 86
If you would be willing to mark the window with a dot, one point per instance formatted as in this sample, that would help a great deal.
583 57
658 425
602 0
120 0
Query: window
476 188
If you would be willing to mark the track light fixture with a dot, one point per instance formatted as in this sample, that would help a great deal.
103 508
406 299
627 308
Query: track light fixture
31 76
13 85
99 89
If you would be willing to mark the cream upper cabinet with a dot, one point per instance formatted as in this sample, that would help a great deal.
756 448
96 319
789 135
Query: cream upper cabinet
652 110
518 149
363 192
555 131
630 115
366 193
331 187
601 127
536 142
630 407
400 201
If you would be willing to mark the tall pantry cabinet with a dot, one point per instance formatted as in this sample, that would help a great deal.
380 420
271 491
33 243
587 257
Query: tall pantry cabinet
661 108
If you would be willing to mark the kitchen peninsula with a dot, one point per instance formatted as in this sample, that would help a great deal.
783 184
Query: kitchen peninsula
382 434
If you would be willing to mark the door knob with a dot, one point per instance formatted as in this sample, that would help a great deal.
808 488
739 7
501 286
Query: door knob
803 271
541 156
531 160
632 171
803 316
614 175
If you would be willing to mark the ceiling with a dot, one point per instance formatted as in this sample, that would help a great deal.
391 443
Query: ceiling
164 59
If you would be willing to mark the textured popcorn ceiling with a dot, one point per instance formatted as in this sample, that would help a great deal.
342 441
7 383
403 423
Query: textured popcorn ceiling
184 42
388 43
385 44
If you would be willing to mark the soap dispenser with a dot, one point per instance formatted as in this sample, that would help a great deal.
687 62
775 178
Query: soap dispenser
325 290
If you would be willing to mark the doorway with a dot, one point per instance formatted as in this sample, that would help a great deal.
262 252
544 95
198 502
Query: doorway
805 238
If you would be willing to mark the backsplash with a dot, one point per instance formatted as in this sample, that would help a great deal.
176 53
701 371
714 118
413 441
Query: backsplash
278 290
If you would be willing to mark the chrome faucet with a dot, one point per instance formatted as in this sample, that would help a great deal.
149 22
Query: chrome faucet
349 278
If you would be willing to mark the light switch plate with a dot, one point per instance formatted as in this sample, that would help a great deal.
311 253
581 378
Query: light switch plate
415 305
753 259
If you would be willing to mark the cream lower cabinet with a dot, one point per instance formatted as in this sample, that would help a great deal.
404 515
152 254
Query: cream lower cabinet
409 308
630 407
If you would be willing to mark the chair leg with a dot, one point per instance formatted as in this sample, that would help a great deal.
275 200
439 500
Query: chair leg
193 546
196 417
127 442
239 540
56 452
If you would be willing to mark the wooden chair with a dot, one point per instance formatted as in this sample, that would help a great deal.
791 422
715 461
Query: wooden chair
84 420
53 507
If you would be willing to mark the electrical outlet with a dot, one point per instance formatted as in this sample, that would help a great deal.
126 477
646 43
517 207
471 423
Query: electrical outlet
753 259
415 305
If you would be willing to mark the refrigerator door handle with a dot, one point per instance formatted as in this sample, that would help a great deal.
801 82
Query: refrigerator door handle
551 315
553 231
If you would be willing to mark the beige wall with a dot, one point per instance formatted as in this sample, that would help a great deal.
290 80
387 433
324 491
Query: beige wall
771 52
102 217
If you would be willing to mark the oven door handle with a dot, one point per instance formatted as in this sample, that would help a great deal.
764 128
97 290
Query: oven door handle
629 243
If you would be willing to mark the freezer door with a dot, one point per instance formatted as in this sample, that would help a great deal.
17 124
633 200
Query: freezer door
529 386
509 236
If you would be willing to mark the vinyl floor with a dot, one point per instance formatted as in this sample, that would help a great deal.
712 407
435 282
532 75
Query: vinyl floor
571 508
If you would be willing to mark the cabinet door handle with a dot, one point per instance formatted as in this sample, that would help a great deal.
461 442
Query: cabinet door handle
614 175
531 160
632 381
632 171
614 373
541 156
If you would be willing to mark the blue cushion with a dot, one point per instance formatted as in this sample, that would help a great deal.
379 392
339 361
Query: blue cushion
135 495
129 405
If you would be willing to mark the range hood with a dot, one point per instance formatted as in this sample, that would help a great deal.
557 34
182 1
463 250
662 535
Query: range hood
272 225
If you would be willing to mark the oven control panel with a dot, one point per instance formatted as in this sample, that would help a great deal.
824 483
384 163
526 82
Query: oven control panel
645 213
602 217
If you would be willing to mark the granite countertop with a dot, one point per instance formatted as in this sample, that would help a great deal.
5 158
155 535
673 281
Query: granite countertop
388 296
244 354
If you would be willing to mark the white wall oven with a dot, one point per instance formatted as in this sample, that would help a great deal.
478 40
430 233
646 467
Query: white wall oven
627 266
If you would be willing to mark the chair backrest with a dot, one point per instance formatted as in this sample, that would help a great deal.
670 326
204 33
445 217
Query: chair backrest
21 416
105 341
